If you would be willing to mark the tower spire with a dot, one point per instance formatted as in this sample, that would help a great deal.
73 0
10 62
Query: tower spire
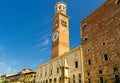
60 33
60 7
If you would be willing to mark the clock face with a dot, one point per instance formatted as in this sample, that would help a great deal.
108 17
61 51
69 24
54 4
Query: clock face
55 36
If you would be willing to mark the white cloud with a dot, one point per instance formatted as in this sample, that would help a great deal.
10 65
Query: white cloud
44 49
43 43
41 60
41 38
34 65
38 62
6 64
46 42
5 68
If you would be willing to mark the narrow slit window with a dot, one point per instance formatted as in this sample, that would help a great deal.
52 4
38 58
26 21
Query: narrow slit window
105 57
89 62
101 80
76 64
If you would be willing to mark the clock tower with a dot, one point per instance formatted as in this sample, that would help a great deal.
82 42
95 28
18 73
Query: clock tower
60 31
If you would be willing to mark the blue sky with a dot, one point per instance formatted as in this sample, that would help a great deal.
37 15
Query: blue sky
25 30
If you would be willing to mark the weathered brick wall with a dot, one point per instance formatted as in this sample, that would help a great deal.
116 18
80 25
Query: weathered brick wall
101 35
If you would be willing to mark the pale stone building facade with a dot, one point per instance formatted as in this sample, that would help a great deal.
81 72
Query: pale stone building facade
65 66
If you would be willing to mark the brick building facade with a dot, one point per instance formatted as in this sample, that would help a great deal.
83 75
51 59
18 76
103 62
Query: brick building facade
101 44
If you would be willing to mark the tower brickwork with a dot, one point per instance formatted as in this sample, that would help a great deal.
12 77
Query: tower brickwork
65 65
60 33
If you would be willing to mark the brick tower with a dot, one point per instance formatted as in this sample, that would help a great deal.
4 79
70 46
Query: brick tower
60 31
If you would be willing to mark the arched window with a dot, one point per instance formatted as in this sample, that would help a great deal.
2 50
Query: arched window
85 39
60 7
118 1
84 26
